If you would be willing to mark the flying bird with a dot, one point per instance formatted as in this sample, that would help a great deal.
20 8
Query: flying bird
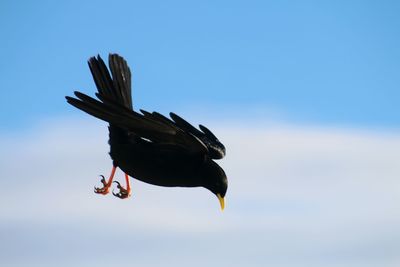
149 146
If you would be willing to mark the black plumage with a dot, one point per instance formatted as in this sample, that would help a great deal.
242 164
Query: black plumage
149 146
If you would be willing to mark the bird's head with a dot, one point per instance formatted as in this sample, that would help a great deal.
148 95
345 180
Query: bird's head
215 180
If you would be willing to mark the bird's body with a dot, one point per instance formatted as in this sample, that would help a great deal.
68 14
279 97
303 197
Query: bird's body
162 165
148 146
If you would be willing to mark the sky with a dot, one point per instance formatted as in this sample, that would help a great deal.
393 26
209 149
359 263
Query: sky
301 61
304 95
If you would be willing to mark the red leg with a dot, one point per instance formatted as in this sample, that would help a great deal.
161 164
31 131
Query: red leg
106 185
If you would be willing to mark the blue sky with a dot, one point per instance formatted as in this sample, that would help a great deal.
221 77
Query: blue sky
322 62
304 95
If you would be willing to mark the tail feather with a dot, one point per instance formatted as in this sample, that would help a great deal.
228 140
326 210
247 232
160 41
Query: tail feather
116 87
101 76
121 79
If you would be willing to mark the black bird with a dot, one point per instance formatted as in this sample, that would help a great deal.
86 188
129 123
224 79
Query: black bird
149 146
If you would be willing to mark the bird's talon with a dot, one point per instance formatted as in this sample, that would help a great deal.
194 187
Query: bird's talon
103 180
118 184
103 190
123 193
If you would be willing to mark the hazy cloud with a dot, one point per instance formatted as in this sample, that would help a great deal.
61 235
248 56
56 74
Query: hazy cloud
298 196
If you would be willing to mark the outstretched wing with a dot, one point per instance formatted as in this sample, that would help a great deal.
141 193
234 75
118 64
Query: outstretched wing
115 107
216 150
215 147
155 130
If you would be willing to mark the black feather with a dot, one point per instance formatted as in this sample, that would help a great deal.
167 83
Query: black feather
148 145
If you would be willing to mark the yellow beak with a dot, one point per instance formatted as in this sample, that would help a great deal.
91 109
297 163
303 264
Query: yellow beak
221 201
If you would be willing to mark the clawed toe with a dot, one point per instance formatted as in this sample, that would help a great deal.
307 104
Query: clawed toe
123 193
103 190
103 180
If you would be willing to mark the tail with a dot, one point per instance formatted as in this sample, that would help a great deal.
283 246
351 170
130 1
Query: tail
113 89
117 88
115 105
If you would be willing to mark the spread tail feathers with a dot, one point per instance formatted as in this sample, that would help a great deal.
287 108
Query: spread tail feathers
115 88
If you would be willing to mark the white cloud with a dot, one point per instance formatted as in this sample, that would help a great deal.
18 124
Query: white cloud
298 196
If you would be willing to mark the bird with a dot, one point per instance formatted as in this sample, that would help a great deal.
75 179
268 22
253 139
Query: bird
149 146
